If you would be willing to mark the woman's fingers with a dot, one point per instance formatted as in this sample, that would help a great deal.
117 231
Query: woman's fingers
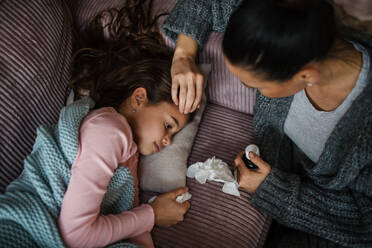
187 93
190 93
238 160
187 84
240 166
199 92
248 179
262 165
175 86
182 94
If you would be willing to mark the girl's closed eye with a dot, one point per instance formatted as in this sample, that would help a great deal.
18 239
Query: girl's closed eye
168 126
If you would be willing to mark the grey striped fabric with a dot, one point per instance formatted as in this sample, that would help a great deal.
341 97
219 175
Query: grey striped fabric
226 90
84 10
216 219
35 56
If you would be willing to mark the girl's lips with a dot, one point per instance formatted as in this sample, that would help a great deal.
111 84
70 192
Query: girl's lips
156 147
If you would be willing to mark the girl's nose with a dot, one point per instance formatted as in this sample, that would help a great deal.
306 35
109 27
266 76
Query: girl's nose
167 140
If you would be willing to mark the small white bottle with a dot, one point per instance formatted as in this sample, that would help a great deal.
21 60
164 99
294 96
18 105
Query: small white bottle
246 159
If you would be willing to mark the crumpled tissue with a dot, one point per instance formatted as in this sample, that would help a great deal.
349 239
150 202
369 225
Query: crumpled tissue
180 199
214 170
184 197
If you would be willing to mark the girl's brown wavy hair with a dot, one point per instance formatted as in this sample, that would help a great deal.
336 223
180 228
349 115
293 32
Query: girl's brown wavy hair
123 50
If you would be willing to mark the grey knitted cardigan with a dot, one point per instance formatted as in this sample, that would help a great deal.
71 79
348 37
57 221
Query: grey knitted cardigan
331 199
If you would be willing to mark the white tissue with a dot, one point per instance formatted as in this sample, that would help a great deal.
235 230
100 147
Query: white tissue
184 197
214 170
152 199
180 199
231 188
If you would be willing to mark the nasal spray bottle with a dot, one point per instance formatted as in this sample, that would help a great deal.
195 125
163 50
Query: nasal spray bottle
246 159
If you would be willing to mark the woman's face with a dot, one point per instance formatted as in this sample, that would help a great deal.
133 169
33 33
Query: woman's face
155 125
270 89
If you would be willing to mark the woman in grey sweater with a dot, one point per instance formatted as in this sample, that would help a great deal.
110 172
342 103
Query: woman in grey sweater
312 119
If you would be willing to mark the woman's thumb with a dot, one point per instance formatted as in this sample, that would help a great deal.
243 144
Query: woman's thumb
258 161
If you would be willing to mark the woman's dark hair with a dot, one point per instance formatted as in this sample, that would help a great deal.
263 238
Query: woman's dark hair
131 54
276 38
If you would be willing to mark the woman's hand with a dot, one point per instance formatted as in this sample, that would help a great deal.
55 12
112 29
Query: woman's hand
250 180
187 80
167 211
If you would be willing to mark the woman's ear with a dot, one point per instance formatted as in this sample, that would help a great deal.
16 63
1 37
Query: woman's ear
138 99
308 75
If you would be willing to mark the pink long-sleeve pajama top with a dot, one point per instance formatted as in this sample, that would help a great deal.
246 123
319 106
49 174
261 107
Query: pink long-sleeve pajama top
105 142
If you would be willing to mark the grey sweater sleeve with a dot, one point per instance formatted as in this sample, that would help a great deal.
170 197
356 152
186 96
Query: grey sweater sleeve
341 213
197 18
343 216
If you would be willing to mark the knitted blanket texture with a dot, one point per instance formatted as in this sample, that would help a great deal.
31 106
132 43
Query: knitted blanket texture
30 206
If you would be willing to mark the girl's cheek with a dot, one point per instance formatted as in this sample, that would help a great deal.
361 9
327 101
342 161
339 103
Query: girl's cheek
161 132
156 132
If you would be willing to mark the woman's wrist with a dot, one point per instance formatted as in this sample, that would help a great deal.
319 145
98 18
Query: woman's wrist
186 48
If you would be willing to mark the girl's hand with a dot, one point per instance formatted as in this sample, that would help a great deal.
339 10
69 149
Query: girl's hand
249 180
167 211
187 80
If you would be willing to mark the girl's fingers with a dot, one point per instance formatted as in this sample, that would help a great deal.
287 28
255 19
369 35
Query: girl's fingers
186 205
177 192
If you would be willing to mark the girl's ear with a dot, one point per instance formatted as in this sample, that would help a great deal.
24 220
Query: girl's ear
138 99
309 75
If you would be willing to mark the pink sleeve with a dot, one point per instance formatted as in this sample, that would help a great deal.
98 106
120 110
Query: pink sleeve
105 141
143 239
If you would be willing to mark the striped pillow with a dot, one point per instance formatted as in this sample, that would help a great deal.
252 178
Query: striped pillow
35 57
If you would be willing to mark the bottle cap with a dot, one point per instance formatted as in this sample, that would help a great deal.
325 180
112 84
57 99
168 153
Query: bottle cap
252 148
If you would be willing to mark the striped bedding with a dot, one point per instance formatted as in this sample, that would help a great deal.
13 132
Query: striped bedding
216 219
35 57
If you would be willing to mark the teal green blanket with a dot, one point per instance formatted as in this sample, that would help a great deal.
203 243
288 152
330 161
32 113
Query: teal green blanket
30 207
